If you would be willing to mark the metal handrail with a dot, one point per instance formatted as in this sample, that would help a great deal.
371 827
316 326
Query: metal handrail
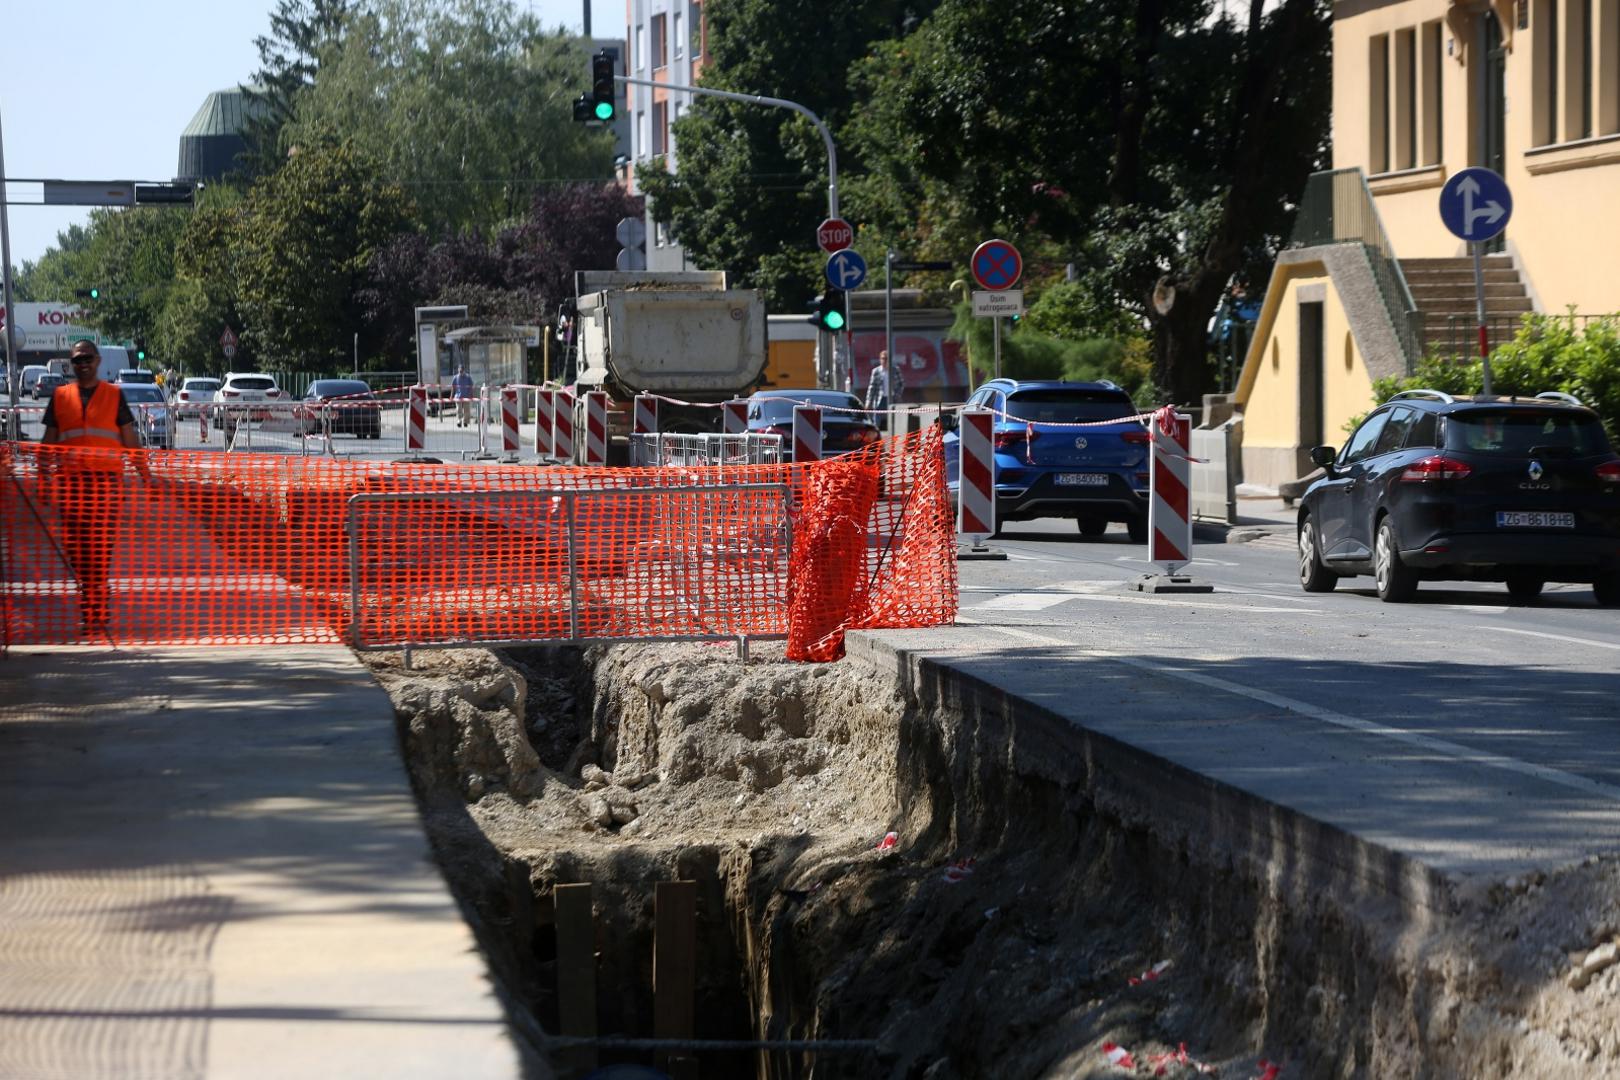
1440 395
1338 208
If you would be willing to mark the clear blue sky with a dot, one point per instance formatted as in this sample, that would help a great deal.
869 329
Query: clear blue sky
101 89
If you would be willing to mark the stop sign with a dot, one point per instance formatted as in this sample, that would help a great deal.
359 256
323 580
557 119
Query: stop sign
834 234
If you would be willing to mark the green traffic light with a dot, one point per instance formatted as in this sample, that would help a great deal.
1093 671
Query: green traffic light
834 320
95 294
604 110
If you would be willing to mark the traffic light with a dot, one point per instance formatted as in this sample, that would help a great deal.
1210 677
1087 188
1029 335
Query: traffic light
92 293
603 94
827 313
140 350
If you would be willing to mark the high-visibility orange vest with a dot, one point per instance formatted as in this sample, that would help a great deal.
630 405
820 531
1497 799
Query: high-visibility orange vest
91 427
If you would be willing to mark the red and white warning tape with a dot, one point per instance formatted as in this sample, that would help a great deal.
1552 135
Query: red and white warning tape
1150 975
1118 1055
960 870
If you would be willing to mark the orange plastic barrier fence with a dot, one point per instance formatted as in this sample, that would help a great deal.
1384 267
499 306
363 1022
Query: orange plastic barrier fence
186 547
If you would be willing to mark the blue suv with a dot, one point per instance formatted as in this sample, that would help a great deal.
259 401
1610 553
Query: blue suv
1048 466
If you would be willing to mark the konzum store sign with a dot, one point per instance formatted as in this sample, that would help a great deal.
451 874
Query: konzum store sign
49 327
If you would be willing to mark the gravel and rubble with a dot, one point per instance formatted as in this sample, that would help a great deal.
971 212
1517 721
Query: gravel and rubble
1013 926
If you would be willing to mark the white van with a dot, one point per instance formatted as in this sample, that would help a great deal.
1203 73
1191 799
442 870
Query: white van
62 366
114 358
30 376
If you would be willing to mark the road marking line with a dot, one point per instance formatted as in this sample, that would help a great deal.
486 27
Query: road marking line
1022 602
1556 637
1462 754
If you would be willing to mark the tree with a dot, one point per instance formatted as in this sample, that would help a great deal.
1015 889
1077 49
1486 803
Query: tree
751 184
302 34
467 105
301 246
1195 133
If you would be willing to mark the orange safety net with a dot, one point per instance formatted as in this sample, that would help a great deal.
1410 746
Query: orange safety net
210 548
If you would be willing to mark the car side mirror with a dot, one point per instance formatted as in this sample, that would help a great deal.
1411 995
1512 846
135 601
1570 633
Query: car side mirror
1324 456
948 419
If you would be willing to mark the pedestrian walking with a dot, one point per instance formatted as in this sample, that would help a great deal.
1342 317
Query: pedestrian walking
93 422
462 388
884 389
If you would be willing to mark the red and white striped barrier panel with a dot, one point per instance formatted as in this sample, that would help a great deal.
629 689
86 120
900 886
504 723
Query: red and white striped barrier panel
596 433
735 415
545 418
1170 481
976 479
1118 1055
509 419
416 419
806 433
646 422
562 434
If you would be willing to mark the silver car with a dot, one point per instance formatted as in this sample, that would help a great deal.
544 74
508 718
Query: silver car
151 409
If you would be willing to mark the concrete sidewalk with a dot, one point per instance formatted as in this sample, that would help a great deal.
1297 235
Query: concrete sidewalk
1261 516
212 866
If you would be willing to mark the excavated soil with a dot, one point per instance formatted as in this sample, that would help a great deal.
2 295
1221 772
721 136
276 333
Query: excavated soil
1023 921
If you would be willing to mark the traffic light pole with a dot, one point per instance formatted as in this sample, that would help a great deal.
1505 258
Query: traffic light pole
755 99
13 369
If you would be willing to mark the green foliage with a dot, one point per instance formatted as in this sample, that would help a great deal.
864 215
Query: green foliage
1029 353
1549 352
467 105
302 33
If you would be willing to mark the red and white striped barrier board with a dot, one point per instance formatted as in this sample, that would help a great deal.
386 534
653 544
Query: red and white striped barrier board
976 480
562 436
545 418
1170 480
646 414
416 419
735 417
806 433
509 419
596 433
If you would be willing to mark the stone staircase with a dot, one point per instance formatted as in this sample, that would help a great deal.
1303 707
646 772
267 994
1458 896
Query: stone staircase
1443 290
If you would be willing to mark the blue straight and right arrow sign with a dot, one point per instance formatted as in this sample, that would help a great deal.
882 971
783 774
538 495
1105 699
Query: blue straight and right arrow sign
1475 204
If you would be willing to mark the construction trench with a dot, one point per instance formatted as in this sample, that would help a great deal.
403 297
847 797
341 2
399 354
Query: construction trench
1050 902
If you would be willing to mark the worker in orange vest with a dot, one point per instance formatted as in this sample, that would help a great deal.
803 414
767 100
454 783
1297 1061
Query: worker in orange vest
94 422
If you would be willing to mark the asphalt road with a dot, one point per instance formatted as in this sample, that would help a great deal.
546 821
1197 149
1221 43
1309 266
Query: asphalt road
1459 727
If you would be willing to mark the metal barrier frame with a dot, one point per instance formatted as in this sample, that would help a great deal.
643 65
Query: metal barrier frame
658 449
570 499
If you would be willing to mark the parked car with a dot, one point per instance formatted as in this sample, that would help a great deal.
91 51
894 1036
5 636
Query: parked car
1047 466
136 375
244 389
194 395
46 385
845 423
349 403
151 409
1518 490
30 375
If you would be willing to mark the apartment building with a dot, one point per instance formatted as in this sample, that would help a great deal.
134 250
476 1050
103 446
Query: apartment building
667 40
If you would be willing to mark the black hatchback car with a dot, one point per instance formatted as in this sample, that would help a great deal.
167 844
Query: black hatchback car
1519 490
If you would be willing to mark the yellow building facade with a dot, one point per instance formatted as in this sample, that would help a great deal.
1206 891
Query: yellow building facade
1421 90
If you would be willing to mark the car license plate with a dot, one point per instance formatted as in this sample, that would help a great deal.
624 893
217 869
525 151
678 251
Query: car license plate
1534 519
1082 479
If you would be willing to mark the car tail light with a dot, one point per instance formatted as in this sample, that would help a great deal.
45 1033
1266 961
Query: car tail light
272 393
229 393
1435 467
1143 478
1137 438
185 395
1609 472
1015 440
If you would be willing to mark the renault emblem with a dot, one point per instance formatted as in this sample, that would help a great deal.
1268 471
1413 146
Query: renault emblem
1080 443
1535 470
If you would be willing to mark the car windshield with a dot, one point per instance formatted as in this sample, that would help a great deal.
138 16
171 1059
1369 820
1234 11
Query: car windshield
1525 431
253 382
135 376
338 388
141 393
778 404
1068 406
201 384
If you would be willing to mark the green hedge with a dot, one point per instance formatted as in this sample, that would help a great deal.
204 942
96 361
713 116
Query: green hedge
1549 352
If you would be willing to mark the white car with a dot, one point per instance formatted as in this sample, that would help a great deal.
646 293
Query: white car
151 409
194 394
244 388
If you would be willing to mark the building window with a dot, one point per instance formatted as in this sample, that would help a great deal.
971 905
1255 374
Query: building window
698 29
641 48
1405 99
660 125
1608 69
1378 113
1581 121
642 147
675 34
660 57
1544 72
1434 131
